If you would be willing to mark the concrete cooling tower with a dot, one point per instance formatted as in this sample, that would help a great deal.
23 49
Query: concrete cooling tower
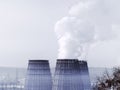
38 75
67 75
71 74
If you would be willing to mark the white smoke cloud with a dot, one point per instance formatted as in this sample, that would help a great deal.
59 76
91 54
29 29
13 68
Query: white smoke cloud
88 22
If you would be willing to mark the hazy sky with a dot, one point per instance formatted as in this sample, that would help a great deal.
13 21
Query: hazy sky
27 32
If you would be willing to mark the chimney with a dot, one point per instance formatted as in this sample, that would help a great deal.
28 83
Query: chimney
38 75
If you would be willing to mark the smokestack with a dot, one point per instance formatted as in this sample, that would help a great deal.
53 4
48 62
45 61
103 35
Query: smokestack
67 75
38 75
85 75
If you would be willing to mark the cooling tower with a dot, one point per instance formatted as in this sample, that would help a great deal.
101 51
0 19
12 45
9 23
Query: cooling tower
38 75
67 75
85 75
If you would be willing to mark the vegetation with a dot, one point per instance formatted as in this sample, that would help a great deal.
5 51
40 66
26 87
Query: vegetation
109 82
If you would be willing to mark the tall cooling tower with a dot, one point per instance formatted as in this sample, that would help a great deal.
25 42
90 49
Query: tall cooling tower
38 75
85 75
67 75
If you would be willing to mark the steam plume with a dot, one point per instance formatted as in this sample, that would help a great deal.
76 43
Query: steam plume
88 22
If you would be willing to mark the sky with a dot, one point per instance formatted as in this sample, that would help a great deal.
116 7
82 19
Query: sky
27 32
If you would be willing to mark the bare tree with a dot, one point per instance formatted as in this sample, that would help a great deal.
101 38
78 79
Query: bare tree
108 82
